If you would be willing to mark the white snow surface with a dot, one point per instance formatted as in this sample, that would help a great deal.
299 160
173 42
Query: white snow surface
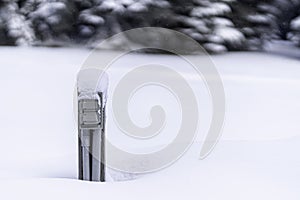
256 157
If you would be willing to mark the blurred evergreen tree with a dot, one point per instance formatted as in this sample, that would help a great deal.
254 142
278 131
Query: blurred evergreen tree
254 18
294 34
287 10
14 28
208 22
53 21
218 25
100 19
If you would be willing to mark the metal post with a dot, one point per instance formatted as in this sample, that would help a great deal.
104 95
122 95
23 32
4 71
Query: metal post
91 133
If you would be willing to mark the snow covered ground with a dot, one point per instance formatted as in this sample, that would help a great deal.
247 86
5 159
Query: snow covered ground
256 158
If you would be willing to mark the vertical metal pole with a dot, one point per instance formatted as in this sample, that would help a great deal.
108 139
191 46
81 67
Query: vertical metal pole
91 133
96 155
80 161
86 156
103 160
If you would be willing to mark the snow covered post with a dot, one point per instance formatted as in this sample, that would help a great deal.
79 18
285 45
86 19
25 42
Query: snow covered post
92 92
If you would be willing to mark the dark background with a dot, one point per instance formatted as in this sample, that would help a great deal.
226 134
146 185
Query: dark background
218 25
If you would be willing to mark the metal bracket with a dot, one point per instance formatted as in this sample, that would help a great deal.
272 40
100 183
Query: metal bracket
90 114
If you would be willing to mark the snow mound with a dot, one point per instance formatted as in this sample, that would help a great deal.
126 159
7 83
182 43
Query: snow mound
295 24
211 9
48 9
216 48
229 34
90 19
90 82
256 157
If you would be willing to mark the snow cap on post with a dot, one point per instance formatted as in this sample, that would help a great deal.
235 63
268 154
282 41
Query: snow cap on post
90 82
